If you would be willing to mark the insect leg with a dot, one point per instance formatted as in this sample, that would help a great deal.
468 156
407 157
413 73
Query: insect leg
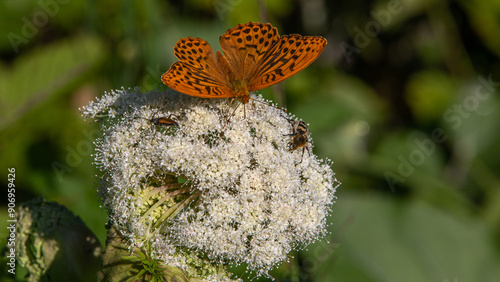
228 116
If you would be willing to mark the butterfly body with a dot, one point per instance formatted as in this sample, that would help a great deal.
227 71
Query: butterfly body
253 57
240 91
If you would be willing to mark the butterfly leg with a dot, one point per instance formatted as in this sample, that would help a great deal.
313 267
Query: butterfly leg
234 112
253 104
228 116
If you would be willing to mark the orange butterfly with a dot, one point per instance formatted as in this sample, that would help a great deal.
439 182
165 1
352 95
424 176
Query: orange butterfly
253 57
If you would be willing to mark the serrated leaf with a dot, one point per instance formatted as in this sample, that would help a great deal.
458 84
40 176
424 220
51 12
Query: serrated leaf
141 273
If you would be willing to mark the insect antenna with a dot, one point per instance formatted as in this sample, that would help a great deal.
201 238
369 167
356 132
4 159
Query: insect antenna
283 109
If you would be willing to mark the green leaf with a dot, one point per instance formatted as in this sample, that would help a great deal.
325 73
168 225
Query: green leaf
132 258
484 16
429 93
141 273
44 74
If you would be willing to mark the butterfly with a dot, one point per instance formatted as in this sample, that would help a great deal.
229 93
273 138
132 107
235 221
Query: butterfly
253 57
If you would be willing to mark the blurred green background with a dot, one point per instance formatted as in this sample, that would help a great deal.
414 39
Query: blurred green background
404 100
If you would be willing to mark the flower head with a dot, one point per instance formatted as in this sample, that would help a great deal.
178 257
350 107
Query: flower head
244 197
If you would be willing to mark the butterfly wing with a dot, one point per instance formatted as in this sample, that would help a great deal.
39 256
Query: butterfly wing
291 54
245 45
196 73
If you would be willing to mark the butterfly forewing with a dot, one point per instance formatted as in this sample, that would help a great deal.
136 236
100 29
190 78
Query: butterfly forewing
196 73
246 44
291 54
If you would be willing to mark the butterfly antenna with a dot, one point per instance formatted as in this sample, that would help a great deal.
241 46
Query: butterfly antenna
283 109
227 113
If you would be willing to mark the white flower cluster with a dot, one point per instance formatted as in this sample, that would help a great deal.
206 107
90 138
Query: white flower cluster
251 199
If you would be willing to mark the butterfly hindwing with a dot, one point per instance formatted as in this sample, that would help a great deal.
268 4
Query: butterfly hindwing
188 80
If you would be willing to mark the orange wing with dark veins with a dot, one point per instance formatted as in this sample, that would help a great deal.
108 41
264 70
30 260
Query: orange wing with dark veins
291 54
197 72
245 45
254 57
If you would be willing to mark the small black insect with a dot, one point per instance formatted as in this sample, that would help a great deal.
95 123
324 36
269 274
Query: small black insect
162 121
